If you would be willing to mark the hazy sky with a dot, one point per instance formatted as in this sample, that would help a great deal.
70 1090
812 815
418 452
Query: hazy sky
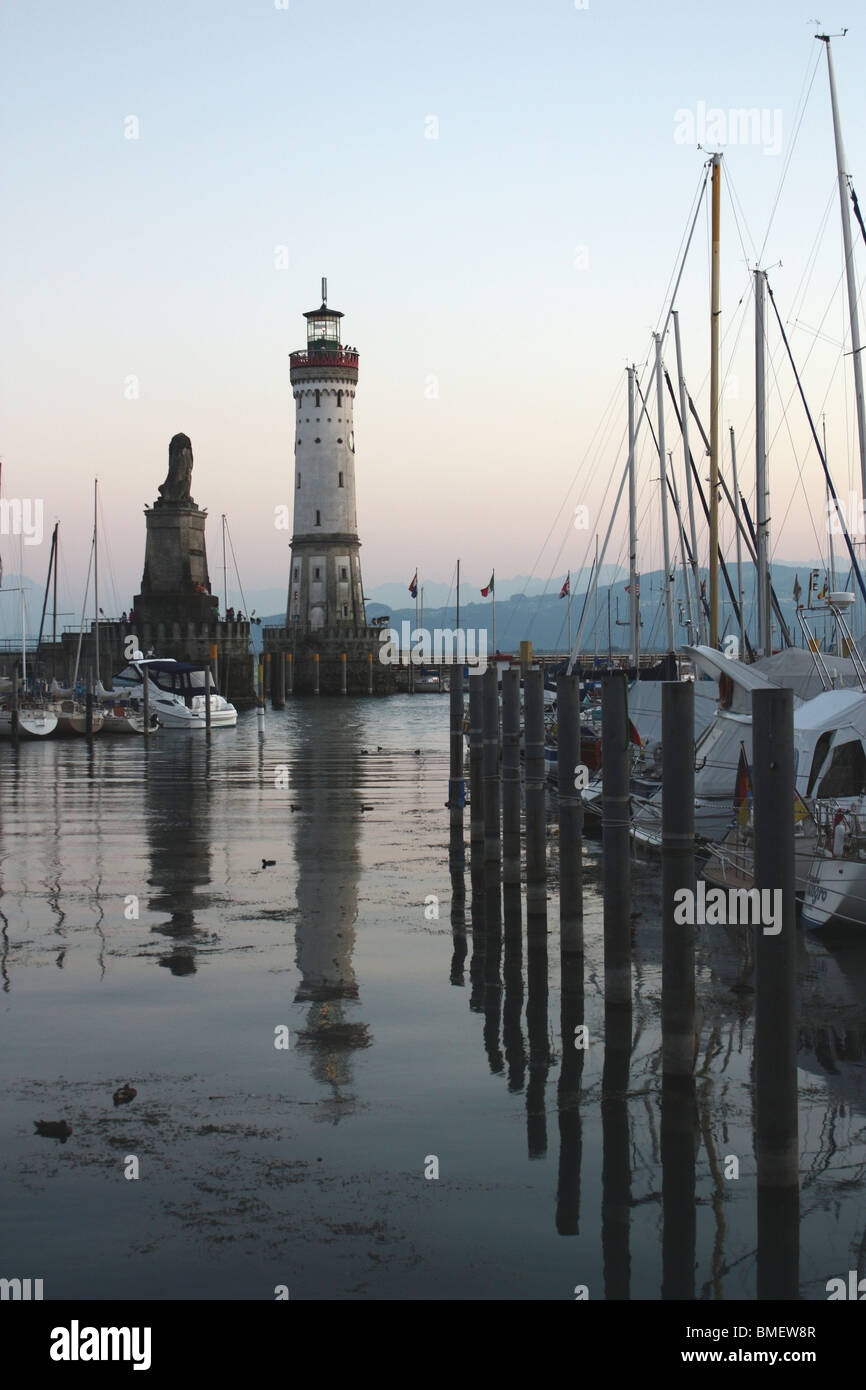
496 279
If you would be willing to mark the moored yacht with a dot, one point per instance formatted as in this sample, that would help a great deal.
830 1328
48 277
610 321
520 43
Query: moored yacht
176 691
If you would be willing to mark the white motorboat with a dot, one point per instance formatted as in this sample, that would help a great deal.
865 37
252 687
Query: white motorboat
176 692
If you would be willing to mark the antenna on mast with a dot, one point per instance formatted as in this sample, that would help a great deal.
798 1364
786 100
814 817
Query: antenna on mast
324 291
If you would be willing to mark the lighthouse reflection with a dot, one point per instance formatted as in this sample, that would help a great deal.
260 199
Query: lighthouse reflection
178 827
326 776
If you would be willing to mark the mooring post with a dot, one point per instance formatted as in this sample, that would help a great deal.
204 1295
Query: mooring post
536 828
344 686
456 784
145 690
615 755
476 761
207 701
776 1138
568 768
267 688
492 841
511 776
278 694
14 721
315 673
88 705
369 673
290 673
678 872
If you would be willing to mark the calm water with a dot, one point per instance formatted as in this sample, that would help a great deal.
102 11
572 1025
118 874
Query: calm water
143 942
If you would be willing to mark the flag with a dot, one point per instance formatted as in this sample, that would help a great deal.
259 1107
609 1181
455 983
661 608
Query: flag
489 589
743 789
801 810
636 588
822 593
413 587
797 590
566 589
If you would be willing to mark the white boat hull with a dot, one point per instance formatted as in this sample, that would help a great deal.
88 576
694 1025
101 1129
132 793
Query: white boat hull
835 891
31 723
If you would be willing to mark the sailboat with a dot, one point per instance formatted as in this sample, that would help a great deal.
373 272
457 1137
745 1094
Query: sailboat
25 717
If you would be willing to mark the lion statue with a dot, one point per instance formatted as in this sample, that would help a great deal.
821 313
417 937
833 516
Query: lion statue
177 484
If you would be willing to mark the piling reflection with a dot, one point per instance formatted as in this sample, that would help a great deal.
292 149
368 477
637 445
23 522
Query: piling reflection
616 1166
326 775
569 1096
179 838
512 1012
492 964
539 1042
679 1144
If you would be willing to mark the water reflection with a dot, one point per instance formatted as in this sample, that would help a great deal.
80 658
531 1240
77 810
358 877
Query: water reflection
179 837
326 782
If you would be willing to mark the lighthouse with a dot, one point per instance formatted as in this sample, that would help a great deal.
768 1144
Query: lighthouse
326 595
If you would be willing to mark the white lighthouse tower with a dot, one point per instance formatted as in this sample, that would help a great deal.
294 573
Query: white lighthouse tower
325 591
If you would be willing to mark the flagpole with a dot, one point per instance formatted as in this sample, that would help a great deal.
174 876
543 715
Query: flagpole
568 582
493 605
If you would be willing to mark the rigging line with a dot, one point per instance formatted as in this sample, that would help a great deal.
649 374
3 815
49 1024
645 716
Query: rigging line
106 552
797 461
817 442
707 168
602 423
685 238
238 577
811 349
790 152
729 184
556 561
814 250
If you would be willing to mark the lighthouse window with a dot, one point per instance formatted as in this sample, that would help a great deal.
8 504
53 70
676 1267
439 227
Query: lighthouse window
318 518
297 574
344 573
340 476
318 440
339 398
345 611
317 574
299 480
318 396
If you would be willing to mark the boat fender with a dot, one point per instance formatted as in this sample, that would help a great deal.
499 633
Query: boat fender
838 841
726 690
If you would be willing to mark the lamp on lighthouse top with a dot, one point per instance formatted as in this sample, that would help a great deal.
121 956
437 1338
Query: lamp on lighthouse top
323 326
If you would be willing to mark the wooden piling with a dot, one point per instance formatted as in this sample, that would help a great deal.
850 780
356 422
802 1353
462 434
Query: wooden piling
343 674
315 673
15 728
456 784
290 673
511 776
536 827
678 872
88 705
207 699
476 761
145 690
615 756
492 839
369 673
776 1126
570 804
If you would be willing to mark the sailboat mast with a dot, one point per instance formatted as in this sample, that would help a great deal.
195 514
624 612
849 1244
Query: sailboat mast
632 524
684 419
849 266
225 572
96 569
458 596
23 641
739 544
762 521
666 544
595 629
715 314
